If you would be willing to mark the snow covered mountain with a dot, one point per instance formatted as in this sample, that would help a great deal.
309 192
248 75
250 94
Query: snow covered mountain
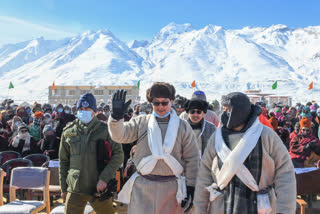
219 60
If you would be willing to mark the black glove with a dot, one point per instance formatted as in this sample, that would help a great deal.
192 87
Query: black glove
119 104
187 203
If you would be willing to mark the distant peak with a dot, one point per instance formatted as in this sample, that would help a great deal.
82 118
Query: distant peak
210 29
278 27
172 29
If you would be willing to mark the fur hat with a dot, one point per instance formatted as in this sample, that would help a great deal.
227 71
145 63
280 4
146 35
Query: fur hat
161 90
305 122
196 104
240 109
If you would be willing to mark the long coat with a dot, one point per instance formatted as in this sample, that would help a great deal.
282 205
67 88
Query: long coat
151 196
277 169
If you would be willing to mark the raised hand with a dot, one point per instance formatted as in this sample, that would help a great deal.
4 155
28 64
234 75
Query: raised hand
119 104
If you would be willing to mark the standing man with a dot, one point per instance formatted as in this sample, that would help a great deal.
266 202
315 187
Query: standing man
202 129
209 116
166 156
80 177
246 168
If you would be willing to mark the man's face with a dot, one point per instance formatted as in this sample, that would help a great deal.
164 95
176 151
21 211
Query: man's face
161 105
297 129
227 108
86 109
305 131
179 109
196 115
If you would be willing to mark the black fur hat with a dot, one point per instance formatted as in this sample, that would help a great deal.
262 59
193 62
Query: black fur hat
161 90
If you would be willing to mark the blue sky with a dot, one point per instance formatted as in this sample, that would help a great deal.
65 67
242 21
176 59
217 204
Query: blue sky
21 20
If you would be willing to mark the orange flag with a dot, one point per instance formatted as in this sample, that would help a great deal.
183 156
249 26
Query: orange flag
193 84
310 86
53 87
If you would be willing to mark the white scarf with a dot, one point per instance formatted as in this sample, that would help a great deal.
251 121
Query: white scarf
233 160
160 151
17 139
233 164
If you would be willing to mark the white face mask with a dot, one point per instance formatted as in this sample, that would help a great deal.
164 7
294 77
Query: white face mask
46 121
67 111
23 135
16 124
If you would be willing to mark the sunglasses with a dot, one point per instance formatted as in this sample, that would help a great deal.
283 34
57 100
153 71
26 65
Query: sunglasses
195 111
305 130
179 106
158 103
198 93
23 131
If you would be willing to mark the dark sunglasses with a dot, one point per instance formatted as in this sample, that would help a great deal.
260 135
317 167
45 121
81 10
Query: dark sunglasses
195 111
158 103
305 130
179 106
198 93
23 131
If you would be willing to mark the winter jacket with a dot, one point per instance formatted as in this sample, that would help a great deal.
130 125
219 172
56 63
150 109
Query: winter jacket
78 171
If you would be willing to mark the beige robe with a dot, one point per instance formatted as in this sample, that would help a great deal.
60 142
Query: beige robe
277 169
150 196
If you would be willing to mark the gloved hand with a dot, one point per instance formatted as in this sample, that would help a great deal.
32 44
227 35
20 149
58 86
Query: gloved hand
187 203
119 106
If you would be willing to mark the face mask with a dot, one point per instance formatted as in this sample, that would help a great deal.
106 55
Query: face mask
156 115
29 111
225 118
107 114
59 110
84 116
23 135
16 124
46 121
67 111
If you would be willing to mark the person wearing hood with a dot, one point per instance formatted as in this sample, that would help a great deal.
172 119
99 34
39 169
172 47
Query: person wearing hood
35 126
305 113
62 118
209 116
303 144
166 156
24 143
22 113
245 165
14 124
82 155
49 143
36 107
202 129
106 111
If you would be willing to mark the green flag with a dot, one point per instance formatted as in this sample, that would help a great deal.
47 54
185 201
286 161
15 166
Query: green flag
11 85
138 85
275 85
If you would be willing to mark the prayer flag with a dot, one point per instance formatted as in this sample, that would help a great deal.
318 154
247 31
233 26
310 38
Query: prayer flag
193 84
310 86
275 85
138 85
11 85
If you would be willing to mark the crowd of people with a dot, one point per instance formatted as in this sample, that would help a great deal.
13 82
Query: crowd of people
177 154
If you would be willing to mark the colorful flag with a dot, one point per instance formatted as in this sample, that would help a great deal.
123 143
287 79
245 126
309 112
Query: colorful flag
11 85
53 87
275 85
310 86
138 85
193 84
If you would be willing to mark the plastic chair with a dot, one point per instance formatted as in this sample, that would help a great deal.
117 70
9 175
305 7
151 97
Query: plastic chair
37 159
28 178
8 155
1 186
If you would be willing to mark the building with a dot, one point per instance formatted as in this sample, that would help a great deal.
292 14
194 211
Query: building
269 99
70 94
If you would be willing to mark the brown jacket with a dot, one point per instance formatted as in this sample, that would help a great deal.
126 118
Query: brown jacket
277 169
